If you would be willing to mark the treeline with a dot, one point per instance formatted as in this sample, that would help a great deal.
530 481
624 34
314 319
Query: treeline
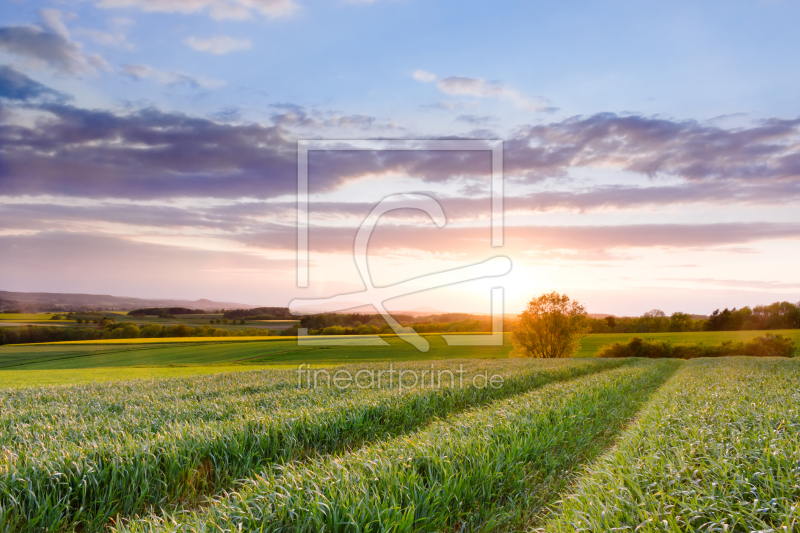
463 326
345 320
366 324
166 311
352 320
259 313
779 315
33 334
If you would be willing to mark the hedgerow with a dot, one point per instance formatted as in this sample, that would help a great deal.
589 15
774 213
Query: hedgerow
767 345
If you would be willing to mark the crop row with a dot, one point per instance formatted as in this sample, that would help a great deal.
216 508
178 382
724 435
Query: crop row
488 467
73 457
718 449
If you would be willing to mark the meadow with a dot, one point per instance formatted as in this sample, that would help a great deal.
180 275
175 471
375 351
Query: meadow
560 445
226 435
104 360
129 447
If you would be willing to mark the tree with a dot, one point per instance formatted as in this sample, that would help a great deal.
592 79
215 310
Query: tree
719 321
655 320
680 322
550 326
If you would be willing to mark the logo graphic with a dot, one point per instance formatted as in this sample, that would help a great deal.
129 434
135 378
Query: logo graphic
376 296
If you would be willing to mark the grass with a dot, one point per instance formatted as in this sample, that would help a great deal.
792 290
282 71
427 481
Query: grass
11 379
458 474
109 355
715 450
124 448
563 445
195 351
105 360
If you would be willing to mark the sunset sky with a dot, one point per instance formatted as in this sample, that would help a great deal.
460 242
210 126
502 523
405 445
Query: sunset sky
148 148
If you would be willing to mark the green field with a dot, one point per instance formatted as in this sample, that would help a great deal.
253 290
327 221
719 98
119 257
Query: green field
272 351
250 350
558 445
43 319
223 434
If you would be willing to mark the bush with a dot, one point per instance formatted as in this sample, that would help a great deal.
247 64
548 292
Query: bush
767 345
150 331
770 345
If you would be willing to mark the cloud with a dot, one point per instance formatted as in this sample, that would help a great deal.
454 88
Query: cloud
152 154
602 242
116 35
146 154
146 72
17 86
218 45
459 85
217 9
741 283
423 76
588 200
105 38
652 146
51 47
480 88
249 216
475 119
119 265
298 117
54 217
451 105
52 19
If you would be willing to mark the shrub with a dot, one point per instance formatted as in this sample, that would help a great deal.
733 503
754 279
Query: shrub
151 330
770 345
767 345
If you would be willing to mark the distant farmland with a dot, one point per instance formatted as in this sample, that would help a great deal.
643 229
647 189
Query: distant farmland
82 361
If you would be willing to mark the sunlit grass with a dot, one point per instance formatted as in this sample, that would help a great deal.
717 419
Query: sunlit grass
718 449
481 468
72 457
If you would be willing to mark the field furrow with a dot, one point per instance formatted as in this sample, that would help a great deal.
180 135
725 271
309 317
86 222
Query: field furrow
458 474
72 457
717 449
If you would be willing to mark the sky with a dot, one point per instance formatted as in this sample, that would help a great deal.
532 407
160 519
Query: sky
651 150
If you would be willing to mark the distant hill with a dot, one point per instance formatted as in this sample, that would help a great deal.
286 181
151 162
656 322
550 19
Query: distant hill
359 308
53 301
